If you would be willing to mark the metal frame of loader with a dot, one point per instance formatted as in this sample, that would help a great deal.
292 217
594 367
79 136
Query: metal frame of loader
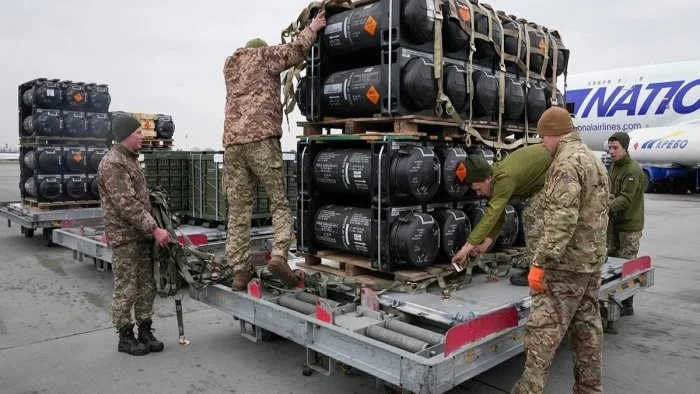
31 219
414 342
482 325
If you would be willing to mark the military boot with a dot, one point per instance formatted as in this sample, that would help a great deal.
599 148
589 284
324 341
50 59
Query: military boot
278 266
240 280
129 344
520 279
146 336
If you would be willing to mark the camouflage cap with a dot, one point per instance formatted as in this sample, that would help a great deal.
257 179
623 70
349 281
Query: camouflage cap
478 169
621 137
555 121
256 43
123 125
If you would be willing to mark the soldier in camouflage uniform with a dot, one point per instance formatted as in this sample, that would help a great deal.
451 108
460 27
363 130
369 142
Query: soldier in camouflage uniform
519 176
130 231
627 206
252 132
566 270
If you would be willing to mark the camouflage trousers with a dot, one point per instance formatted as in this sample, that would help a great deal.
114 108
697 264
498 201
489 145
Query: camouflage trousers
134 285
623 245
570 302
533 226
244 165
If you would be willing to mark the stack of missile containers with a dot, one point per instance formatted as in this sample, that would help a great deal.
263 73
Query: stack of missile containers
402 201
63 130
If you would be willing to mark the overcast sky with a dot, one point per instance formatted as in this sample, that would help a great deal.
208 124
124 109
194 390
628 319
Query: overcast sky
167 56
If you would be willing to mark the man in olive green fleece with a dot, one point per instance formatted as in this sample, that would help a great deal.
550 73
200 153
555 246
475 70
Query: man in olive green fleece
519 176
626 205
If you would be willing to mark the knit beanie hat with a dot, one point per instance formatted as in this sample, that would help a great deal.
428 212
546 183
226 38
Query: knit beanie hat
622 137
555 121
256 43
478 169
123 126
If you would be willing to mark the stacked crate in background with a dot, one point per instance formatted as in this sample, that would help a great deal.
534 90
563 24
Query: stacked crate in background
194 183
169 170
158 129
63 130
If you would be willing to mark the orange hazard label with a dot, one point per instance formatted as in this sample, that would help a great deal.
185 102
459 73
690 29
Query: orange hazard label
78 97
541 45
372 95
371 26
464 14
461 172
78 157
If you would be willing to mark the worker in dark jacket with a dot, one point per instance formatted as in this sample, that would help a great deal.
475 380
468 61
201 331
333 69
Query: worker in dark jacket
627 205
130 230
251 139
519 176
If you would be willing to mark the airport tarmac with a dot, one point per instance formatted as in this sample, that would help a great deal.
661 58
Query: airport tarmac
56 333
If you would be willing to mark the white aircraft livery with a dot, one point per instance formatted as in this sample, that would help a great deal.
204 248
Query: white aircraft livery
658 105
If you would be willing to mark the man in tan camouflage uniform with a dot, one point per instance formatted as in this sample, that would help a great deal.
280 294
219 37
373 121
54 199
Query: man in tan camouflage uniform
566 271
252 132
130 230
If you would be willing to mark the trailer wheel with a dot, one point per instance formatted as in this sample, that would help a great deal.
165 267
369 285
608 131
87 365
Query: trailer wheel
268 336
648 184
48 237
27 232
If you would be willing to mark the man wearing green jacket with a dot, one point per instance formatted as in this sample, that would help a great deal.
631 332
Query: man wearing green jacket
520 176
626 205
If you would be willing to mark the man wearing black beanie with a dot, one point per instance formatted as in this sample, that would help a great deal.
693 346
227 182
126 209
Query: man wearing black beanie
130 230
627 206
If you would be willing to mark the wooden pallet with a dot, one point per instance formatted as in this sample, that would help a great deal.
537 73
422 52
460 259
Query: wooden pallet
414 125
34 203
43 140
360 268
156 144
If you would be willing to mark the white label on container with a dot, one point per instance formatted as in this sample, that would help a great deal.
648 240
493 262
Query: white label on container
141 158
288 156
333 28
333 89
218 158
49 92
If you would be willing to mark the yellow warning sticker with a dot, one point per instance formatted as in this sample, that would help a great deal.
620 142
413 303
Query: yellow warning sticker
78 97
461 172
542 45
464 14
373 94
78 157
371 26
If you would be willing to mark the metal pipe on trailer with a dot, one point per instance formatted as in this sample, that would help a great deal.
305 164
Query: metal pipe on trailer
430 337
393 338
294 304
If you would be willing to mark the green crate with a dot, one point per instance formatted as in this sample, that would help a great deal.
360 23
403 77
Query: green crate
152 183
263 205
175 182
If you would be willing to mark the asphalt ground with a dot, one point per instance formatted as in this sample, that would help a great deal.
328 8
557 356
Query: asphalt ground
56 333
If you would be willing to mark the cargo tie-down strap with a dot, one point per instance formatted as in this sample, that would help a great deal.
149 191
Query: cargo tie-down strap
171 267
292 31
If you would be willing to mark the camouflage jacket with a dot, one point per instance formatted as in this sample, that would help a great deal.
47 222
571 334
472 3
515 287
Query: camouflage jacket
126 207
254 88
575 211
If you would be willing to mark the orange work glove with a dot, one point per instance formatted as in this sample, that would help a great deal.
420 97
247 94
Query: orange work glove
536 279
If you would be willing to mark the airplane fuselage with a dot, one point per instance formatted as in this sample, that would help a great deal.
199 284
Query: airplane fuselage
629 99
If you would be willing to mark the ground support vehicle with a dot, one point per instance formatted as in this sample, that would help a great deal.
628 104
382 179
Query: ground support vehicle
33 218
422 341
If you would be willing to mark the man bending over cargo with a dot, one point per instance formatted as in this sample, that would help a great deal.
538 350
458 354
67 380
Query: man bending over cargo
252 132
130 230
626 205
519 176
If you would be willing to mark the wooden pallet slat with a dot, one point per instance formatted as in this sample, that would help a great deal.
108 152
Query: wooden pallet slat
33 202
